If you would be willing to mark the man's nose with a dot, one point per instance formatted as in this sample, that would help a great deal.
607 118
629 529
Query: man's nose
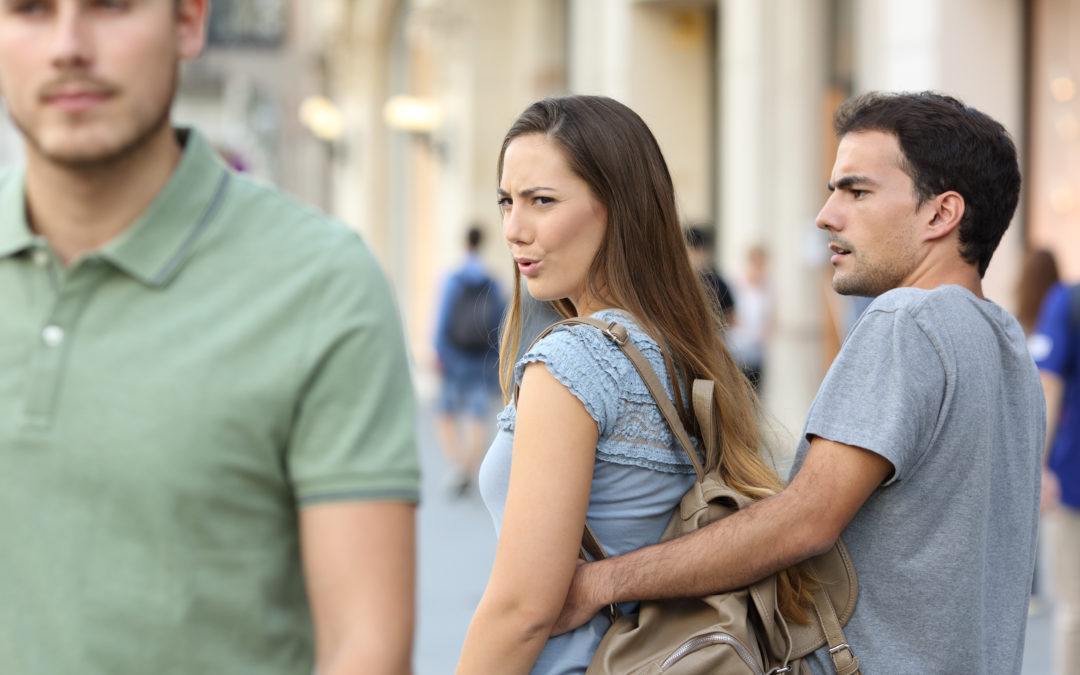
72 39
828 218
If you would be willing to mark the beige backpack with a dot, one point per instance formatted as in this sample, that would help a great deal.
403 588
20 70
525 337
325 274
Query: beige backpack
739 632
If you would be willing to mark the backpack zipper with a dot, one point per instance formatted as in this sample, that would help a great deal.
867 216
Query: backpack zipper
706 639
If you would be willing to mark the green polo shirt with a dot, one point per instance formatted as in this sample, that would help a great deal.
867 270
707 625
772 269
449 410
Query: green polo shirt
166 405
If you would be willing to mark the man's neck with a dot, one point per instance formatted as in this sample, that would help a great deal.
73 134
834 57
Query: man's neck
948 272
80 209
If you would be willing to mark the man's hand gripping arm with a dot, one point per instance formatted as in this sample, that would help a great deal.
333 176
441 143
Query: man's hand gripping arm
802 521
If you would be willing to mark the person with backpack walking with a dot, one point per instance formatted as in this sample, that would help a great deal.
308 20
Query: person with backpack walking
1055 345
590 219
923 446
466 338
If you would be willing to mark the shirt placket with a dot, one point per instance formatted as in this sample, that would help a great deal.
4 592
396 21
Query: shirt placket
57 332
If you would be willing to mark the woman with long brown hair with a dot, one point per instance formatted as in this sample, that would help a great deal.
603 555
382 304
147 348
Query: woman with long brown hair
589 217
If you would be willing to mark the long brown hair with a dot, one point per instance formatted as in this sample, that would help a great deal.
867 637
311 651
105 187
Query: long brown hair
642 267
1038 273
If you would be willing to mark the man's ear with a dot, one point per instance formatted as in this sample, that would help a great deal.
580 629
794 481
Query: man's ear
946 216
191 27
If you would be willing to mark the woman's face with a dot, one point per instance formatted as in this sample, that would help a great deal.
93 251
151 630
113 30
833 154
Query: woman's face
552 222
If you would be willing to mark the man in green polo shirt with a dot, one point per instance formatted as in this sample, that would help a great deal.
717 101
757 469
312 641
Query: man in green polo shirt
206 419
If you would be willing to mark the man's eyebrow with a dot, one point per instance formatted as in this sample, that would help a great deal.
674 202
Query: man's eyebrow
847 181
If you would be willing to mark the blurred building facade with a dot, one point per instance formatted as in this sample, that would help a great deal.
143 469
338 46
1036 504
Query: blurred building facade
390 114
739 93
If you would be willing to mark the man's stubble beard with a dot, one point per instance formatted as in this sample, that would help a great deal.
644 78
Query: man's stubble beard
107 158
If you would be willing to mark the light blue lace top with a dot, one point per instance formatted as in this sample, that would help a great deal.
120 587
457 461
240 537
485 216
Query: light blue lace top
640 473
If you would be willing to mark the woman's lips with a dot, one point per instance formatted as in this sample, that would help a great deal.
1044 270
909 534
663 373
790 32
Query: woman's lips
527 266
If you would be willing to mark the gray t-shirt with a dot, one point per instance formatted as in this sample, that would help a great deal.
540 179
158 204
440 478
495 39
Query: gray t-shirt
640 474
941 384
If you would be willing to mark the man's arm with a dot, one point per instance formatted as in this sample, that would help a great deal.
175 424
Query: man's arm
359 567
802 521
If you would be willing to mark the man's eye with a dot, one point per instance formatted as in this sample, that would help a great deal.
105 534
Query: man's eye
28 7
857 193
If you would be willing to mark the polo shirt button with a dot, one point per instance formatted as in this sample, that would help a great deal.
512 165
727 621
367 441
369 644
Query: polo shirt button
41 258
52 335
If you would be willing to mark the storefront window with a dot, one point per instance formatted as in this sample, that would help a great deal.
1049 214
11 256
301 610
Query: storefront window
258 23
1053 166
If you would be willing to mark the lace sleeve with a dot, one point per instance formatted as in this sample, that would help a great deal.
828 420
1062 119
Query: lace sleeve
631 428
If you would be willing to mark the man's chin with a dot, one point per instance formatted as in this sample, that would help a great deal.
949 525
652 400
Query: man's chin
75 152
83 151
845 285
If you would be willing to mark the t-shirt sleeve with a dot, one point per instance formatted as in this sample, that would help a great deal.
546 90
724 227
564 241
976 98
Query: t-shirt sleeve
884 392
1050 345
581 359
353 436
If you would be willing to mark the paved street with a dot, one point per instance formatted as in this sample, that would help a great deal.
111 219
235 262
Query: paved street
457 545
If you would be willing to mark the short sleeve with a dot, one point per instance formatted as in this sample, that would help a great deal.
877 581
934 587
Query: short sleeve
353 436
632 430
885 391
1050 345
581 359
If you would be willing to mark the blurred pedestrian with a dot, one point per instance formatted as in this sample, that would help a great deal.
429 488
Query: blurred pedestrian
589 216
206 418
1038 274
749 334
922 447
701 247
466 339
1055 345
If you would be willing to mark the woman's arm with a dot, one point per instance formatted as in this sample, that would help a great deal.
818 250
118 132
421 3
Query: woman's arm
550 477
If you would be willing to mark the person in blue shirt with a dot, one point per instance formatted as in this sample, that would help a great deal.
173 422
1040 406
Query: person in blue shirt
1055 346
465 342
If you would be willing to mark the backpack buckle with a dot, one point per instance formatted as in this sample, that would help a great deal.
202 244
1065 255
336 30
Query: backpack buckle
616 333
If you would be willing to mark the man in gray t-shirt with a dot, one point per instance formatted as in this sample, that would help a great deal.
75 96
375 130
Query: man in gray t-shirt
922 447
939 384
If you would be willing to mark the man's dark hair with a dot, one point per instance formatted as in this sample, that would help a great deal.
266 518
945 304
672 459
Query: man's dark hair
947 146
473 237
700 238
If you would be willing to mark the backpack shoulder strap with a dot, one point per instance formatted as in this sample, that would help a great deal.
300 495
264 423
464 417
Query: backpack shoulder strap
618 334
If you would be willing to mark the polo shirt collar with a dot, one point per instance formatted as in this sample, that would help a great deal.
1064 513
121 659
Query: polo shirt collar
15 234
161 239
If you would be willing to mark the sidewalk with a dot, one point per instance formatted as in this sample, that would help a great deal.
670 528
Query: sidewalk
456 545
